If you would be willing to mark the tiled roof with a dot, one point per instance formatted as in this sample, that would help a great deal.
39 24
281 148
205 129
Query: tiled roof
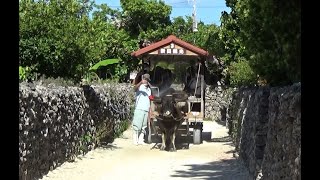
167 41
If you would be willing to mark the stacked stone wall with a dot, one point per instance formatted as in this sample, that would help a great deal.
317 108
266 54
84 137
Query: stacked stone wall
265 124
58 123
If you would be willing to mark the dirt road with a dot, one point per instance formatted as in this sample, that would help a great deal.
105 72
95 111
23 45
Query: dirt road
213 159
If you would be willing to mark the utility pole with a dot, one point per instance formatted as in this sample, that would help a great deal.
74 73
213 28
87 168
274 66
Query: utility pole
194 20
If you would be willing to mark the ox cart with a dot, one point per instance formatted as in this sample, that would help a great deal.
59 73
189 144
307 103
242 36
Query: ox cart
177 70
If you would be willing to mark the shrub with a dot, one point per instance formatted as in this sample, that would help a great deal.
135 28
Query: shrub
27 73
241 74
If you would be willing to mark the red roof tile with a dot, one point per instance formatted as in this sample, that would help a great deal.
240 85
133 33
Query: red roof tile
167 41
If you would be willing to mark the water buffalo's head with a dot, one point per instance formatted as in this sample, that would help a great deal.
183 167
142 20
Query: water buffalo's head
169 105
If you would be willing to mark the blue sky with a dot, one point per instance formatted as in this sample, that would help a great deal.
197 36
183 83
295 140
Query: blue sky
207 11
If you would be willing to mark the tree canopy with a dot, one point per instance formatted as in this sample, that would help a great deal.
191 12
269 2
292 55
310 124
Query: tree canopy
64 38
267 34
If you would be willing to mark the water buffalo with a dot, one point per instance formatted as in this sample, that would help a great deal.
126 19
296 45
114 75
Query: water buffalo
171 110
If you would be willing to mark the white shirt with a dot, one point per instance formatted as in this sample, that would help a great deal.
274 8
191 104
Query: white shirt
142 97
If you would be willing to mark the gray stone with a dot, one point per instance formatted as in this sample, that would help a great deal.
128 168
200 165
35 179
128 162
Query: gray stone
268 121
54 118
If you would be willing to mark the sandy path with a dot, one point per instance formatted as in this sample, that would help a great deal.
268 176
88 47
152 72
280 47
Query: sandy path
213 159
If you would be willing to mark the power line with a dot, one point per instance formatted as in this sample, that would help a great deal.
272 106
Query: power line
181 2
205 7
186 7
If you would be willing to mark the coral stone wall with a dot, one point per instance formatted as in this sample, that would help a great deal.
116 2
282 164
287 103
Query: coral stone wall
57 123
265 124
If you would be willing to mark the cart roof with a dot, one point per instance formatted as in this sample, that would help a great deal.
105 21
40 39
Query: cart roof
171 46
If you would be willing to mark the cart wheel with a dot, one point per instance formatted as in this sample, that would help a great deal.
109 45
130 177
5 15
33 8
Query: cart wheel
149 135
197 134
149 138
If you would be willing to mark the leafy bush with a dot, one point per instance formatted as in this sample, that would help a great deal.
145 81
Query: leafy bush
22 73
241 74
27 73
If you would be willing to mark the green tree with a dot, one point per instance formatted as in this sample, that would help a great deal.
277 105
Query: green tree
206 37
144 15
57 36
118 42
241 74
263 37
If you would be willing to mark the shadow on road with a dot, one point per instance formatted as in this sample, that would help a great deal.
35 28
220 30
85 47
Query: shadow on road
221 139
183 141
108 146
222 123
224 170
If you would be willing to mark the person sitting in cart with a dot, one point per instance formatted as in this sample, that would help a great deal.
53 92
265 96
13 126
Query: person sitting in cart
193 80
